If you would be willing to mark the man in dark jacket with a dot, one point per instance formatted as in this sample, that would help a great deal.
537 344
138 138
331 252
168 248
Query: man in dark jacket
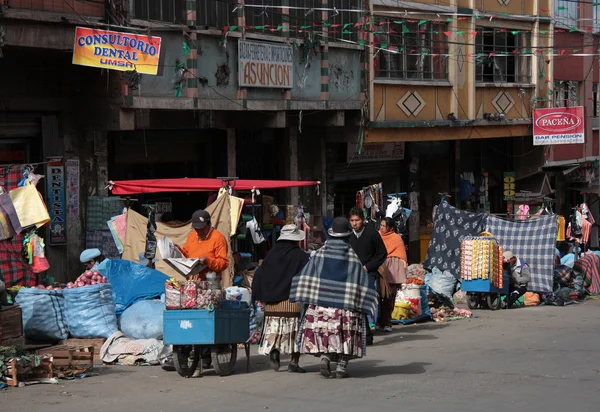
369 246
520 276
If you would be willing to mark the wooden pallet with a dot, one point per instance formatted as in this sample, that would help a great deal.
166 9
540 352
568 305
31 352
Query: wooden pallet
96 343
11 323
15 375
70 358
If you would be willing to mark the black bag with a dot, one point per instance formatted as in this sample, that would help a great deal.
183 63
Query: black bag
554 300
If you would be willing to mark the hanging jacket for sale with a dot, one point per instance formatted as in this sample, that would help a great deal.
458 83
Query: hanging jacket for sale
575 227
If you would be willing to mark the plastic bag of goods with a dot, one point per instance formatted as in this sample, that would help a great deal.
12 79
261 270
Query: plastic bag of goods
415 306
143 320
442 282
173 294
401 310
43 314
411 291
208 296
90 311
237 293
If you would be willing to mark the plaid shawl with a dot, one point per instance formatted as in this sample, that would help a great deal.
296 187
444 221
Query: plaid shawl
13 268
587 267
335 278
562 275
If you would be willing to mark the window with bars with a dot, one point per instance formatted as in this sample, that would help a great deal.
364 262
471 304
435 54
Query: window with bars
565 93
500 57
303 17
269 17
566 13
215 14
345 15
172 11
413 51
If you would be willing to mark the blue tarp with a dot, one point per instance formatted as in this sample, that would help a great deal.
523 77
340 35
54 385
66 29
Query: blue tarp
132 282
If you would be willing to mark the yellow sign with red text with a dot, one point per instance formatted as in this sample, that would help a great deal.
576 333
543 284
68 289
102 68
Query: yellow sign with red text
116 51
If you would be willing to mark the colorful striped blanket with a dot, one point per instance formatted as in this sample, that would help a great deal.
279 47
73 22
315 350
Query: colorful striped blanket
587 267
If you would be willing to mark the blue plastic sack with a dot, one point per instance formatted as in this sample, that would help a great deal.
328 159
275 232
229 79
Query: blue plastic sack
424 301
132 282
90 311
143 320
568 260
43 314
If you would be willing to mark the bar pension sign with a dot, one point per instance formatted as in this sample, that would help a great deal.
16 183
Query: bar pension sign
560 125
268 65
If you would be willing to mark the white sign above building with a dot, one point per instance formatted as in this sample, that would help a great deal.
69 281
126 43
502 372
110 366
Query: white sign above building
376 152
267 65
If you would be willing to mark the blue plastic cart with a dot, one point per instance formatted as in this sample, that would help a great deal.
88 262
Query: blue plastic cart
482 292
220 331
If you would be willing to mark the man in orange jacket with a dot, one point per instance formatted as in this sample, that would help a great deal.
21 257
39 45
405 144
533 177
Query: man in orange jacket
206 244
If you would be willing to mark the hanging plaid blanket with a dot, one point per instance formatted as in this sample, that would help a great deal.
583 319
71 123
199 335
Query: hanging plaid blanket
451 226
587 267
335 278
10 176
533 242
13 268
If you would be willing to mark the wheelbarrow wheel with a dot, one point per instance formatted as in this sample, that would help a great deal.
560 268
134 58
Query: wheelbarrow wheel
494 301
185 359
224 358
472 300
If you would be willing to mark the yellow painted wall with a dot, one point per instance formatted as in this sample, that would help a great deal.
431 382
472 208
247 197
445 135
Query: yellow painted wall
521 108
386 98
422 134
514 7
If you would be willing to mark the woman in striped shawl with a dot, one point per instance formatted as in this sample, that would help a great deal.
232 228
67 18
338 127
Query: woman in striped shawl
338 293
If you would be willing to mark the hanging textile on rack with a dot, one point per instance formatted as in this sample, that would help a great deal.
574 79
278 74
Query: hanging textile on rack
290 214
561 229
13 268
481 258
451 226
523 212
370 199
533 241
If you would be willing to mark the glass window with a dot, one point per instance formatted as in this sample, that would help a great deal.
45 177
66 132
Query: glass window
566 13
500 57
269 17
172 11
565 93
412 51
215 14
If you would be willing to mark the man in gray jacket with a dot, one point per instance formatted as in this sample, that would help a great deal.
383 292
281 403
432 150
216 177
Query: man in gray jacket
520 276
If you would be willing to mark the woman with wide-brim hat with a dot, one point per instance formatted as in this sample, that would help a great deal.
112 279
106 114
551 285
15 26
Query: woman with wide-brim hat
337 290
271 286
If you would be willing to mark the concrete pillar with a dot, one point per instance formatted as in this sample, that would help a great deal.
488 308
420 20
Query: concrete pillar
192 58
231 153
292 141
323 174
53 145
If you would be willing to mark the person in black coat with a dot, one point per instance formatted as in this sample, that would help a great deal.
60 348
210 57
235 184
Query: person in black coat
271 286
369 246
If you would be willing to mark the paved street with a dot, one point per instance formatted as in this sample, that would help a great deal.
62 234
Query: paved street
543 359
